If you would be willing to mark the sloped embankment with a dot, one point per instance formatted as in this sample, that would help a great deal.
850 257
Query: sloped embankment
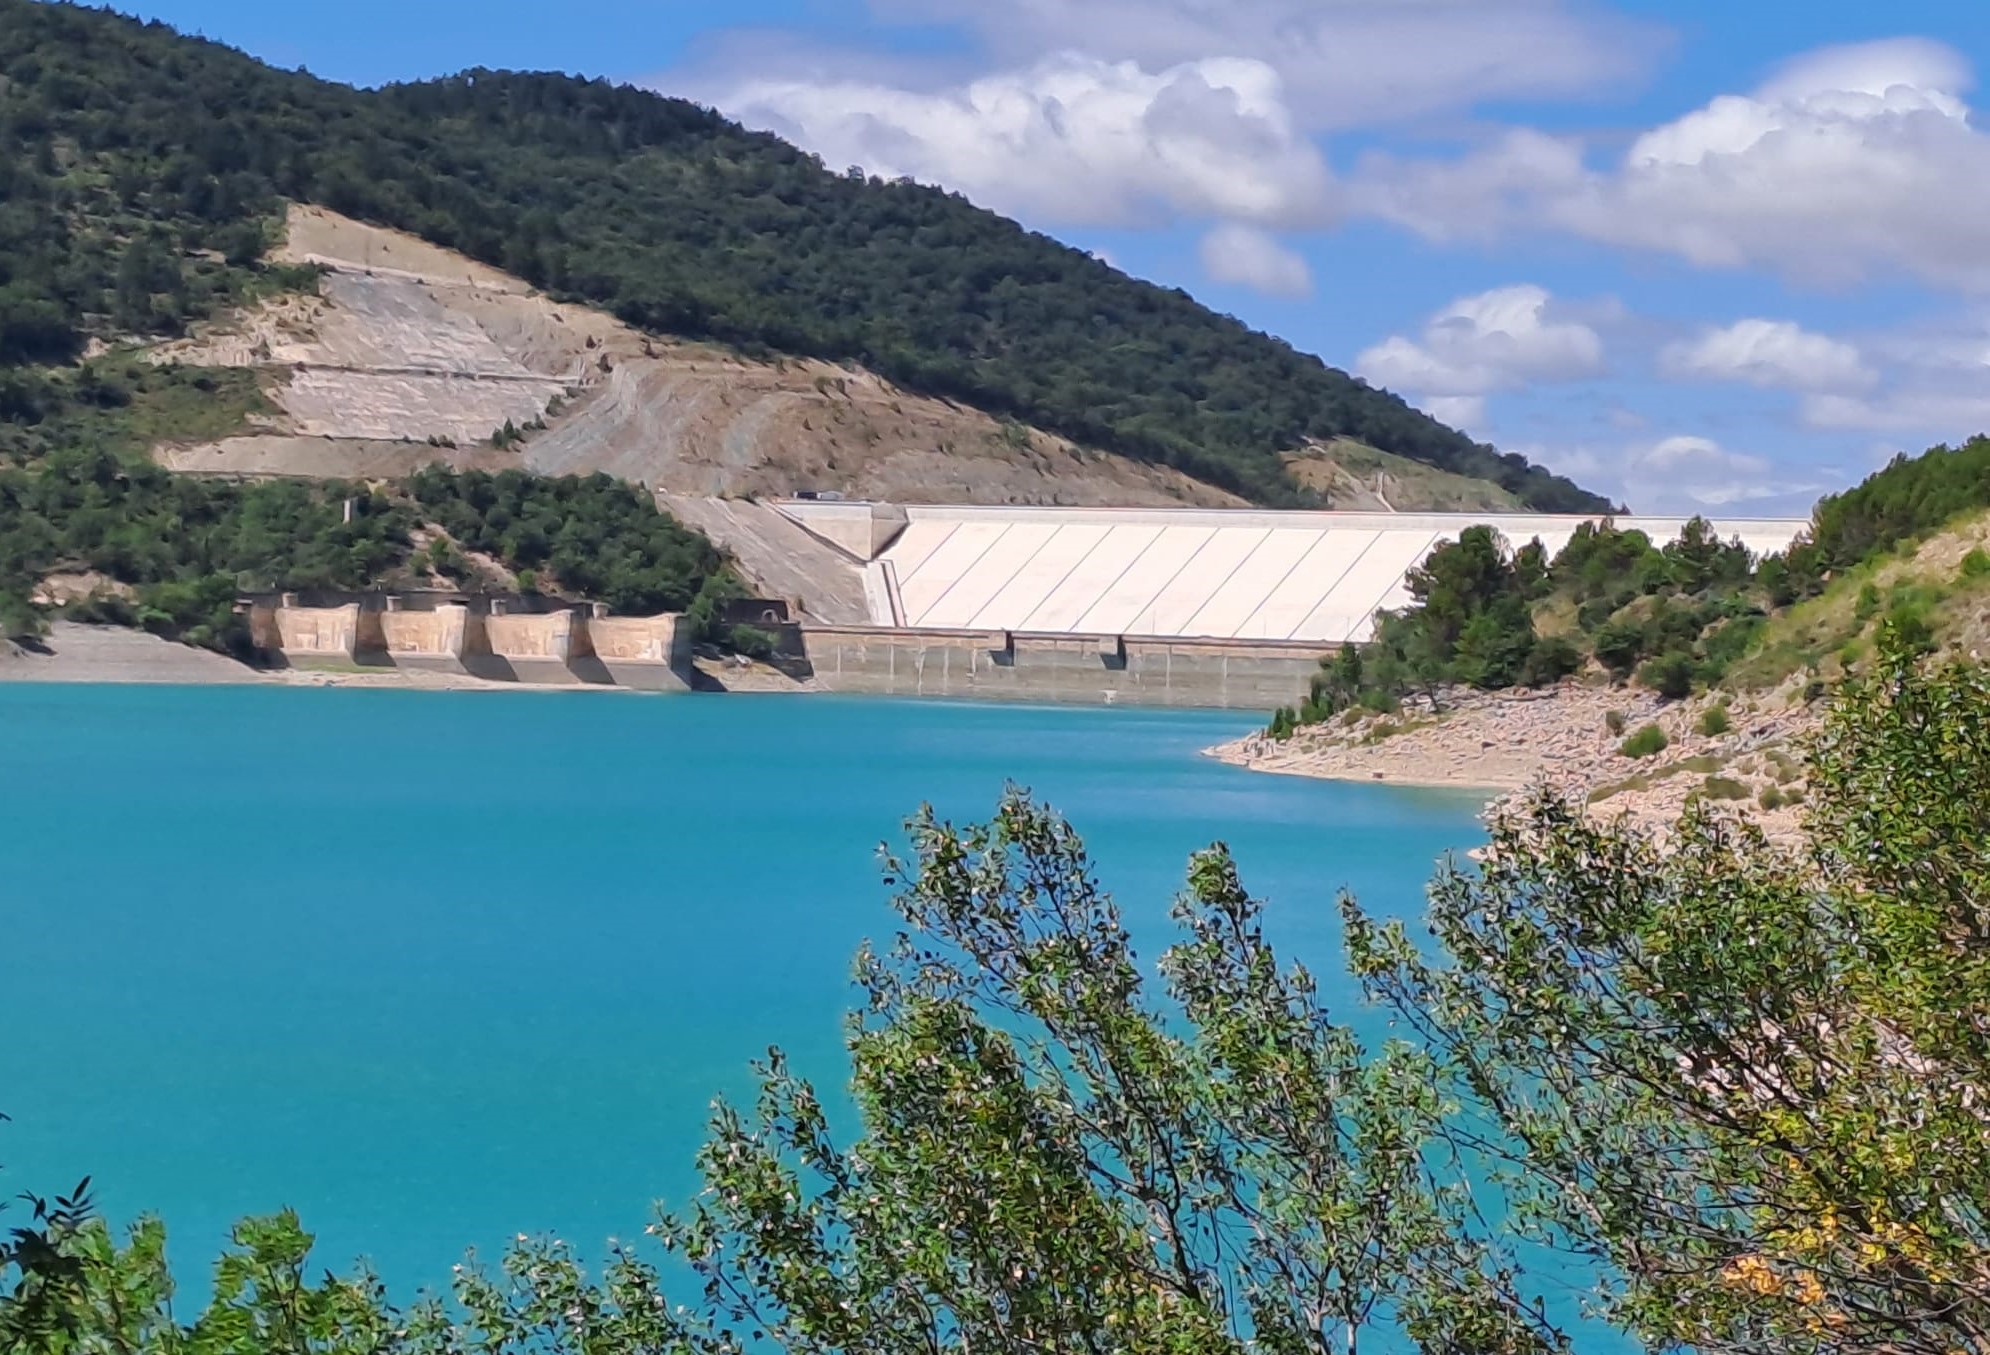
410 354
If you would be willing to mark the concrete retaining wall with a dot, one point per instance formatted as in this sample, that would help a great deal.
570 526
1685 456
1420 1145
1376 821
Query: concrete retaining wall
651 654
438 640
322 634
1107 670
503 640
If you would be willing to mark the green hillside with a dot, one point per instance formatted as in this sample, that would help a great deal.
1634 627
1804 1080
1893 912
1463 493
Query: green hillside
140 171
1900 552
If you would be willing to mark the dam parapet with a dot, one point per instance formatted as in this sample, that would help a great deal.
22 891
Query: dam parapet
517 638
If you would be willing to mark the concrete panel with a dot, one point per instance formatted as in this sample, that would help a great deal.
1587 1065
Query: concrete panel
877 595
918 541
1098 572
927 584
1311 581
1198 578
436 639
1034 583
647 653
1337 617
1136 602
997 567
549 647
860 529
1379 571
304 633
1253 581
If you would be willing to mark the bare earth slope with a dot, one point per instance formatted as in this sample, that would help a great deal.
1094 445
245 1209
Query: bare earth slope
408 346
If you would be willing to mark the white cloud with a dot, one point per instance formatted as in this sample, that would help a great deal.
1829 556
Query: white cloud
1925 413
1499 340
1073 139
1467 413
1697 470
1347 62
1129 112
1774 353
1247 257
1851 160
1682 474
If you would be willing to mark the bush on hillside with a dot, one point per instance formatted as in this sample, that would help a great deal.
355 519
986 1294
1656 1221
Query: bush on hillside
1649 741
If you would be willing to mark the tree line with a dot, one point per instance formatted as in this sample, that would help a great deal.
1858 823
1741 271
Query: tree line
143 171
176 552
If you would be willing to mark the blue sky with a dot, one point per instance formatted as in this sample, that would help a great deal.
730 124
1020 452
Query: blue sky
1698 255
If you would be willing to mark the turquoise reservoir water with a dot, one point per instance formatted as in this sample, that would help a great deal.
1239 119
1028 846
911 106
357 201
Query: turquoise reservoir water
435 969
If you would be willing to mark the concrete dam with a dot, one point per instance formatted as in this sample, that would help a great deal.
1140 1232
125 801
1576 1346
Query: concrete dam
1189 607
538 640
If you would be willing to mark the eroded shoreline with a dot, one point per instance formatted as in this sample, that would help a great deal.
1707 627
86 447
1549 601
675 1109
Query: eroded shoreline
1571 739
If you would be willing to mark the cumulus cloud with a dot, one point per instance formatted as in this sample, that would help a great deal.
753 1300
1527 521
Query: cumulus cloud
1848 161
1774 353
1247 257
1685 474
1918 411
1348 62
1128 112
1073 139
1478 345
1699 470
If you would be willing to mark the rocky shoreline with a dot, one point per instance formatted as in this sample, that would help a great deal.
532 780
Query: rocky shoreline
1571 738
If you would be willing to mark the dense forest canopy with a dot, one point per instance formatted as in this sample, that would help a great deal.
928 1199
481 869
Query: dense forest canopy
175 552
140 170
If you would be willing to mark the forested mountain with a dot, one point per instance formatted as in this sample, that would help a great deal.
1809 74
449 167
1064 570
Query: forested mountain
141 170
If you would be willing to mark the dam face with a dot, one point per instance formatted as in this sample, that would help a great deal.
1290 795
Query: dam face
1204 607
499 639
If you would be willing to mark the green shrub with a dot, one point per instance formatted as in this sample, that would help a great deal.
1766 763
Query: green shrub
1618 645
1976 564
1615 721
1549 661
1772 797
1670 675
1867 607
752 641
1723 788
1647 742
1380 701
1714 722
1909 627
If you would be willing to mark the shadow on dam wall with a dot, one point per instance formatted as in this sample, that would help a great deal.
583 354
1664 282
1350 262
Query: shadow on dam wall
500 639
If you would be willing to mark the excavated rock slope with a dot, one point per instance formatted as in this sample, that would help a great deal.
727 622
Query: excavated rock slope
409 348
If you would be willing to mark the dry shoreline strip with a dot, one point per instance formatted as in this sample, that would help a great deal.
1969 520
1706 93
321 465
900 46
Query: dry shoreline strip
1506 743
114 654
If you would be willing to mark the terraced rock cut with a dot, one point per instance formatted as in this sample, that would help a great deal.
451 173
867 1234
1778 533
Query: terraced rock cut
410 355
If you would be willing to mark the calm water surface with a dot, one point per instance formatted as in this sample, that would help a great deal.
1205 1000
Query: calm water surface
439 968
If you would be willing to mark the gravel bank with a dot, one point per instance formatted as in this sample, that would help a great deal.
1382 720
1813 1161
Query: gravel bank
1563 737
